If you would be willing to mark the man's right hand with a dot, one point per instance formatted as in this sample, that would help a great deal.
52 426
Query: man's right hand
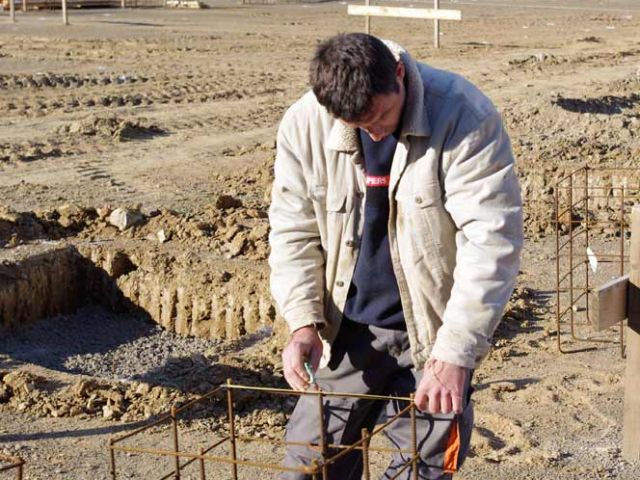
305 345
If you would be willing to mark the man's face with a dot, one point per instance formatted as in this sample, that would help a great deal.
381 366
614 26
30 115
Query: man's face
386 109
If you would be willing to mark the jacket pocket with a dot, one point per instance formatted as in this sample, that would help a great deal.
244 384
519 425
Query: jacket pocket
337 203
417 221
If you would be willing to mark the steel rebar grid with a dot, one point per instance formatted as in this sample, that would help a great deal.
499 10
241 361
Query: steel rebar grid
317 469
323 437
574 233
232 431
365 453
414 438
14 462
622 263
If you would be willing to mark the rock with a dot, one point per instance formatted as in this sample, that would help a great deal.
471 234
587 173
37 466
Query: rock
259 232
83 388
108 412
143 389
124 218
231 232
75 128
5 393
75 410
103 212
21 383
236 247
225 202
504 387
163 236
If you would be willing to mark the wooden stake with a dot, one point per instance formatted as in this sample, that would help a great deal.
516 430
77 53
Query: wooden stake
65 18
367 21
631 422
436 26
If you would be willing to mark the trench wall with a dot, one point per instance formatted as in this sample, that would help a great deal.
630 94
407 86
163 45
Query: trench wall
189 294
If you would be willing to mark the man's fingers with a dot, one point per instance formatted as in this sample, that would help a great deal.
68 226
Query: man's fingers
293 367
434 402
420 400
294 379
445 403
456 403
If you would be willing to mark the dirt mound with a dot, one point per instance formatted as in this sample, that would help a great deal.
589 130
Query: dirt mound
22 391
113 127
20 227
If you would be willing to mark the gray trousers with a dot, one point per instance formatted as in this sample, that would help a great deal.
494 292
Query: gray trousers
371 360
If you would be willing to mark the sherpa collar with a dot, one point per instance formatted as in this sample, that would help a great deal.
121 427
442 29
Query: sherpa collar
414 119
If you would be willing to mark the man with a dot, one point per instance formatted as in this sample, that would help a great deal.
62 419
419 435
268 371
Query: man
396 228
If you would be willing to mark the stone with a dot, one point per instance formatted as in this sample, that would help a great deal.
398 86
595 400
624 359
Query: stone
236 247
5 393
21 383
225 202
163 236
124 218
504 387
103 212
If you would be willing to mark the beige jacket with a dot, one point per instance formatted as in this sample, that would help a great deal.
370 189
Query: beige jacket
455 223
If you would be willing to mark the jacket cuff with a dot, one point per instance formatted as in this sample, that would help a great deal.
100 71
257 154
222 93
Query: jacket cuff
451 347
300 317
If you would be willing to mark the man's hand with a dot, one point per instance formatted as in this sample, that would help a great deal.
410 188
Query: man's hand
305 345
441 389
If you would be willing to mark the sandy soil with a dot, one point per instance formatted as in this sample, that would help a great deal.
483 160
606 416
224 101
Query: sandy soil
168 111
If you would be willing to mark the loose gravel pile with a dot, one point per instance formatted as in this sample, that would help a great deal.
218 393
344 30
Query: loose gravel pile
103 344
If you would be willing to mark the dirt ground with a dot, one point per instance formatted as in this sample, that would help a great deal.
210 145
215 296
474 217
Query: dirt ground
172 115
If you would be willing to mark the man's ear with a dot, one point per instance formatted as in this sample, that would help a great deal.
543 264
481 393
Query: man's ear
400 70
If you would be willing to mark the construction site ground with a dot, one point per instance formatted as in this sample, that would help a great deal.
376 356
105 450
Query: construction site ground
170 116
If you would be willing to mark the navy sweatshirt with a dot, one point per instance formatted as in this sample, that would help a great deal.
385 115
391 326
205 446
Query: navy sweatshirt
373 296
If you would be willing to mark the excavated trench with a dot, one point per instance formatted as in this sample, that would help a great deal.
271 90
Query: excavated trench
184 292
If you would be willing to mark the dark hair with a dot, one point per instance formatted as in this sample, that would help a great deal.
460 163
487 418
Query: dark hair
348 69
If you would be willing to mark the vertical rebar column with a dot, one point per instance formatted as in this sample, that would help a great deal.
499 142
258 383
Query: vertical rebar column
622 233
365 454
12 10
112 457
176 447
557 226
202 469
586 226
323 438
573 333
314 466
367 19
414 439
436 25
232 430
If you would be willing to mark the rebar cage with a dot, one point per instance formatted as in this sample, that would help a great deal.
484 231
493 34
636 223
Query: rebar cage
234 460
9 463
592 219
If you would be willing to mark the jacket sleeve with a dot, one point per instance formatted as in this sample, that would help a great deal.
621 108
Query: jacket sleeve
296 258
482 196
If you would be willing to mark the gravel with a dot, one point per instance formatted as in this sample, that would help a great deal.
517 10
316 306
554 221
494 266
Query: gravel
103 344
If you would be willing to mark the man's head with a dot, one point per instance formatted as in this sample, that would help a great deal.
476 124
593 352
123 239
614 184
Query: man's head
358 80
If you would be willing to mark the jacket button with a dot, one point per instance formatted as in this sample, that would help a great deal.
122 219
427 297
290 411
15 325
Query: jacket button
350 243
418 199
340 283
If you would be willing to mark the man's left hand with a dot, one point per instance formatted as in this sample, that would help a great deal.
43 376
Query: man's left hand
442 388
